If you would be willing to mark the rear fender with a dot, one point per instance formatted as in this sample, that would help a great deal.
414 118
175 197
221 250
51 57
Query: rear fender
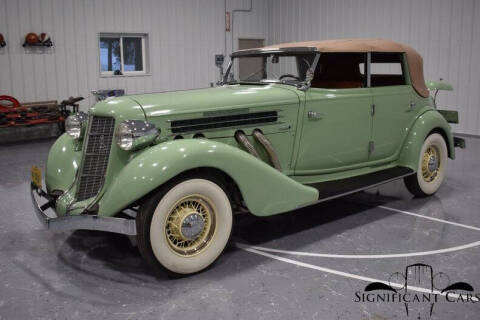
428 122
265 190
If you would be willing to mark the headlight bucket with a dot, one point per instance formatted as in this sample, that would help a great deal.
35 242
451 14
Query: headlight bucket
135 134
75 124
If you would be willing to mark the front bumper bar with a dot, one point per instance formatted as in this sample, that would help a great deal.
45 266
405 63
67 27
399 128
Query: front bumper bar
79 222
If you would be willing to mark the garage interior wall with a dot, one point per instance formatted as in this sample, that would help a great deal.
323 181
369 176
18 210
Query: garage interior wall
445 32
183 38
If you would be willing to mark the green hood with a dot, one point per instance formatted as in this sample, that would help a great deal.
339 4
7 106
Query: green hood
120 108
163 108
214 99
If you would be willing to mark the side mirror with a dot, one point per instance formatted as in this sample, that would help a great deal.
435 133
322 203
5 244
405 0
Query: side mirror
275 59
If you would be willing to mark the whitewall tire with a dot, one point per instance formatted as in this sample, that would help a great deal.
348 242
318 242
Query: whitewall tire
185 228
431 169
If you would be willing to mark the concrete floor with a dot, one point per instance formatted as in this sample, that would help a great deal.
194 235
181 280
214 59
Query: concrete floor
94 275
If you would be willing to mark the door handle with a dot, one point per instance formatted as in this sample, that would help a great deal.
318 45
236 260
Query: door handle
315 115
412 106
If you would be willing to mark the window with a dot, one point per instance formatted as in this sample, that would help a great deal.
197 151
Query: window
273 67
386 69
340 71
123 54
265 67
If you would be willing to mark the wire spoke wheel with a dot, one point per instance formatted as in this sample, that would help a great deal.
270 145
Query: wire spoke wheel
186 225
190 225
430 163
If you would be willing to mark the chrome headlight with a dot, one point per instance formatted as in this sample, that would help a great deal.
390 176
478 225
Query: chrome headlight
135 134
74 124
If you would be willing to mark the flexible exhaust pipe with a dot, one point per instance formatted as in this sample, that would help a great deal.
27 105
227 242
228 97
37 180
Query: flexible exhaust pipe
244 142
258 135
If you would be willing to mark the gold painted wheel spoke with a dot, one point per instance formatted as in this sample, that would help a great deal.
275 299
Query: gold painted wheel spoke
192 212
430 163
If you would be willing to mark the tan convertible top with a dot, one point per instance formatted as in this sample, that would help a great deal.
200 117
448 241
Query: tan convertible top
414 60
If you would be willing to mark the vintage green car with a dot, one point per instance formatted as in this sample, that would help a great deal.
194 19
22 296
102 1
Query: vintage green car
289 126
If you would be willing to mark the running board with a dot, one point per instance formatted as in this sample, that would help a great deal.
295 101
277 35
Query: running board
338 188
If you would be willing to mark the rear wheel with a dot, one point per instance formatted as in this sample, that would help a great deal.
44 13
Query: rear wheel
431 167
185 226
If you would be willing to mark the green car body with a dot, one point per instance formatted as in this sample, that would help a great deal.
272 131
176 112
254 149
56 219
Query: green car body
318 135
171 168
306 157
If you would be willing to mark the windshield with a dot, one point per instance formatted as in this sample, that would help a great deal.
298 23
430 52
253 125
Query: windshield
269 68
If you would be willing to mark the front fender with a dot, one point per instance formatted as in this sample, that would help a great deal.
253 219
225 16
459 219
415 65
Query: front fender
265 190
427 122
62 164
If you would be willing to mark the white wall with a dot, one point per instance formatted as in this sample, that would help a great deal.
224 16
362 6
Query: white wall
184 36
445 32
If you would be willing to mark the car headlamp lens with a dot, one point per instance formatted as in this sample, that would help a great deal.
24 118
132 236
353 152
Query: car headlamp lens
134 134
74 124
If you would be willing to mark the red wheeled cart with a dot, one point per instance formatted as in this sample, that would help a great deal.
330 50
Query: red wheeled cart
24 121
13 113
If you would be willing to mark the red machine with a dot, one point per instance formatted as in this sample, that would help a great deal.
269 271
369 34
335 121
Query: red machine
13 113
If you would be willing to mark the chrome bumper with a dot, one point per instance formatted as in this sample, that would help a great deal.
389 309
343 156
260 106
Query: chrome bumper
79 222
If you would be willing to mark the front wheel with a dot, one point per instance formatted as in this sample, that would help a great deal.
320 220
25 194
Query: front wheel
431 167
185 226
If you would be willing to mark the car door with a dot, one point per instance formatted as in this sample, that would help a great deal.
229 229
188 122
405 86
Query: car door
393 104
337 116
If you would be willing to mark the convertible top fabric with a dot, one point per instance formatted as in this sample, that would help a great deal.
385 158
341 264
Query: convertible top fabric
414 60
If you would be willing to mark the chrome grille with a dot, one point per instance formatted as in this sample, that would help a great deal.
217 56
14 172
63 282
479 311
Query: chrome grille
95 161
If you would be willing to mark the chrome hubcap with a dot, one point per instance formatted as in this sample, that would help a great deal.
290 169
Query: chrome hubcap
430 163
190 225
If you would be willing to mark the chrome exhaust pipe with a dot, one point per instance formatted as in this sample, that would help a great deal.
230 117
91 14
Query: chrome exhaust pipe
258 135
244 142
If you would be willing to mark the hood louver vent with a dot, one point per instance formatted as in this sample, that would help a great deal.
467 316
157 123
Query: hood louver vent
187 125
